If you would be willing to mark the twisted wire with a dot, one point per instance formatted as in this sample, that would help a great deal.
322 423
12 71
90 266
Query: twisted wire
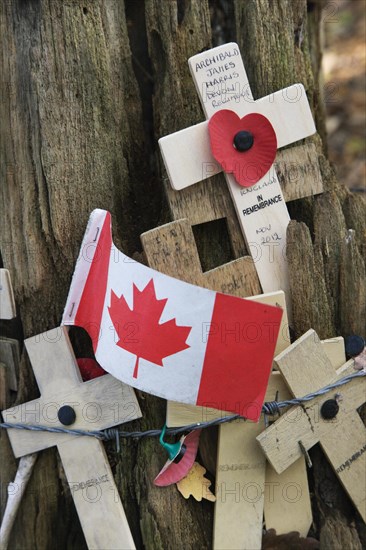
270 408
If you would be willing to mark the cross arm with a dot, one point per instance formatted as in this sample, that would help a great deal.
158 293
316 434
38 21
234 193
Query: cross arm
187 153
187 156
280 442
98 404
305 365
53 361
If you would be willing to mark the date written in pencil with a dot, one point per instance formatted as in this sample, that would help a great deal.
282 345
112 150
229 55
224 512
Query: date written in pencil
267 238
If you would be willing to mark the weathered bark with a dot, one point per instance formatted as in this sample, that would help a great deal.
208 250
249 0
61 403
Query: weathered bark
87 89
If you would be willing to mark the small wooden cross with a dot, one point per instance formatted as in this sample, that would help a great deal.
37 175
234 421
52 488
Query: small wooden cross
222 83
331 420
7 303
68 402
241 465
9 347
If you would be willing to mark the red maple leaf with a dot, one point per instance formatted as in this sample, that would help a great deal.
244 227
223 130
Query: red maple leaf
139 330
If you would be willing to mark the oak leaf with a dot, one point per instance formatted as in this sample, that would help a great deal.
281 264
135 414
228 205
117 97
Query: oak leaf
196 484
139 330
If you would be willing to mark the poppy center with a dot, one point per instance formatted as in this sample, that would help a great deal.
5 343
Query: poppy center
243 141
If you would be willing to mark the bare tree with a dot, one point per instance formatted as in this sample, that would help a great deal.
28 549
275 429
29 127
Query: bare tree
88 87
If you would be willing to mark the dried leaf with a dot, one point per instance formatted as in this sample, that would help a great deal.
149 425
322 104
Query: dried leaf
195 484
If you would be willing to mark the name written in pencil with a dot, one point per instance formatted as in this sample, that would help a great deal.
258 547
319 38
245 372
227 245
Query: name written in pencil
222 78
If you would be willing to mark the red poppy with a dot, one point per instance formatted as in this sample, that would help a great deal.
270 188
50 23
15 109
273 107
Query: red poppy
244 146
173 470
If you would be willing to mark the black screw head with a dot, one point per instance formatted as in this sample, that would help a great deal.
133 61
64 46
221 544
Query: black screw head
354 345
243 141
66 415
329 409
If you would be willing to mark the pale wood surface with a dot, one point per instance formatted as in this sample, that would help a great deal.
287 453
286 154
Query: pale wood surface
287 504
267 223
305 365
241 466
7 303
287 487
240 479
95 494
334 348
187 153
53 361
342 438
345 447
100 403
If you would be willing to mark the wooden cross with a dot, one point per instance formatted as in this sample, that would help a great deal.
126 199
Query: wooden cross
238 518
68 402
7 303
9 347
249 485
222 83
332 422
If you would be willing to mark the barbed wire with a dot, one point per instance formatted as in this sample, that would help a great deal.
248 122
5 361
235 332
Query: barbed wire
269 408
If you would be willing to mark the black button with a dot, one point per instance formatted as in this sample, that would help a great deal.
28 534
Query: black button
354 345
329 409
66 415
243 141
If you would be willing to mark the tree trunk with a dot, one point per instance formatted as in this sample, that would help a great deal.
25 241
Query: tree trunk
87 89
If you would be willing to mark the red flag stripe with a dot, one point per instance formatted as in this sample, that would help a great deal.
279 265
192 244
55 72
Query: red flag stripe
90 310
239 330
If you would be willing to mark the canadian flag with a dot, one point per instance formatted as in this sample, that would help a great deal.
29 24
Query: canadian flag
167 337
